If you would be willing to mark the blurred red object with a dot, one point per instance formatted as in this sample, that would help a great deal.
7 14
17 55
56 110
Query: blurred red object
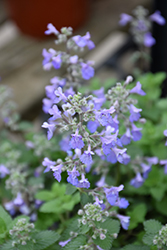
32 16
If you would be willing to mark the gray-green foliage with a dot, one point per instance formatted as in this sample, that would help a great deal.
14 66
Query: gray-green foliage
12 230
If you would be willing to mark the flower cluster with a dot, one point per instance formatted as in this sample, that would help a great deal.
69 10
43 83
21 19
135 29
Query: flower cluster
21 232
140 25
160 240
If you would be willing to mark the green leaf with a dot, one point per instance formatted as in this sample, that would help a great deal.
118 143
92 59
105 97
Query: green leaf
58 189
75 243
8 246
157 192
45 239
106 243
73 226
112 226
51 206
153 178
3 227
148 239
70 189
44 195
137 215
161 206
85 198
152 226
5 216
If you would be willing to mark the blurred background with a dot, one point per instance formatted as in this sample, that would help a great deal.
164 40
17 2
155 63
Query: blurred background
22 26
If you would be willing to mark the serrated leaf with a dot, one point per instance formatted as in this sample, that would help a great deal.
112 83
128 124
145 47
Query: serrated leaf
148 239
84 229
44 195
112 226
72 226
137 215
75 243
152 226
5 216
106 243
70 189
8 246
45 239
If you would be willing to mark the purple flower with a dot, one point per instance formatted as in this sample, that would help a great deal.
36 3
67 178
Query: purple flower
112 194
92 126
10 207
137 181
165 134
124 221
47 104
134 113
149 41
76 141
47 56
126 138
56 61
87 71
64 144
63 243
164 162
104 116
137 89
156 17
122 203
112 157
51 30
86 157
51 128
83 41
74 59
126 159
119 154
48 164
125 18
59 95
83 183
57 172
152 160
136 134
3 171
99 203
57 82
72 176
101 182
55 112
18 201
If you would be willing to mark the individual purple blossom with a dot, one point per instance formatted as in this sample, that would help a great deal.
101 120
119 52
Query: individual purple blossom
146 168
137 181
24 209
63 243
101 182
60 96
87 71
126 158
164 162
64 144
125 18
119 153
86 157
137 89
126 138
83 183
58 82
136 134
122 203
112 194
3 171
48 164
9 206
134 113
99 203
51 30
152 160
92 126
72 176
156 17
69 91
82 41
74 59
104 117
47 56
57 172
47 104
18 201
111 157
51 128
99 248
124 221
57 61
49 89
55 112
149 41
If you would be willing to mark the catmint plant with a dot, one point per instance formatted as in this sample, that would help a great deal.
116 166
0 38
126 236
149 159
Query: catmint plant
92 132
